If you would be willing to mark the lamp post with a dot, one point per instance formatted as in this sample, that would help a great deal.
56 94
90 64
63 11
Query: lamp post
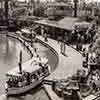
75 7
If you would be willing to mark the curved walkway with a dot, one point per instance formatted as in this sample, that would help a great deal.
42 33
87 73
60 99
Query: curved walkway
66 66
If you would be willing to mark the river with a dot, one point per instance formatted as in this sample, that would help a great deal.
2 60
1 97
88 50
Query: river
9 53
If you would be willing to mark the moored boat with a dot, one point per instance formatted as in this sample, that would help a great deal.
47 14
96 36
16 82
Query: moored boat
33 73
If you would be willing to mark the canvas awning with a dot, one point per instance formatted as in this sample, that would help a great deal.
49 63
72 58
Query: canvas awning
27 67
67 23
47 22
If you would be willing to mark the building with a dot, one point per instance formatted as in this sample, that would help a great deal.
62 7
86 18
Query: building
58 9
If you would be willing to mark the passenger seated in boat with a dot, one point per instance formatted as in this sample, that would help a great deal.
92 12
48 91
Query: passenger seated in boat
20 84
24 83
9 82
28 78
32 79
6 86
39 57
35 77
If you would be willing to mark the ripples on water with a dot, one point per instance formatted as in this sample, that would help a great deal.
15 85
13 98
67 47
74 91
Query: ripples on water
9 53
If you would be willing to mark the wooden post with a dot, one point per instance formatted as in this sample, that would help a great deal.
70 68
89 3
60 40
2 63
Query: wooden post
75 7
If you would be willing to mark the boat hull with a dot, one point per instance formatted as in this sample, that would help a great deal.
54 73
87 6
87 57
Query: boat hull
21 90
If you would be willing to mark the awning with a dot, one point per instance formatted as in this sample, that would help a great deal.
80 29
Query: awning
47 23
82 25
27 67
67 23
26 31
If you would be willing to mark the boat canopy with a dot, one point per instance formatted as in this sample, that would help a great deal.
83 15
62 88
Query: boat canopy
26 31
40 60
27 67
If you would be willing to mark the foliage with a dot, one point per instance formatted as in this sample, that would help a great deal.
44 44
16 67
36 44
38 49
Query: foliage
96 48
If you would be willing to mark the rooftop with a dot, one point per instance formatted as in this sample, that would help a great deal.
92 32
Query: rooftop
67 23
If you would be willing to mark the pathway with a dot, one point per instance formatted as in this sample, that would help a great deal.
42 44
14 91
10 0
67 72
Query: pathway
66 66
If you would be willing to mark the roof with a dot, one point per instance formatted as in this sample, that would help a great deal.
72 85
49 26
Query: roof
47 22
67 23
82 25
26 31
27 66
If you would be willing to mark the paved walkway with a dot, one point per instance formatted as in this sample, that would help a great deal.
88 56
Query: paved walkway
66 66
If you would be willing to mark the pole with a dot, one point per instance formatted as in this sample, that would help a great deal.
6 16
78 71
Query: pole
75 8
6 12
20 63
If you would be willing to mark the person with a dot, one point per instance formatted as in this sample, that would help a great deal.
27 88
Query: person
64 46
45 35
35 35
42 31
72 36
6 86
28 78
61 47
82 41
59 38
66 38
35 50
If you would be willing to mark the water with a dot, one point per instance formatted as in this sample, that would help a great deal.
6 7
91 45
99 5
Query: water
9 53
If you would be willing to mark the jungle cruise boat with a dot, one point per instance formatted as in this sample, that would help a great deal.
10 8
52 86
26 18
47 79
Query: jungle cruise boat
27 76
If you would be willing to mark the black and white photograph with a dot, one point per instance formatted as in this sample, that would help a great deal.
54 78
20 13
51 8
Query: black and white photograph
49 49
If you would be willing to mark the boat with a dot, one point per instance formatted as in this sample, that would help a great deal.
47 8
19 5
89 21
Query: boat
33 73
